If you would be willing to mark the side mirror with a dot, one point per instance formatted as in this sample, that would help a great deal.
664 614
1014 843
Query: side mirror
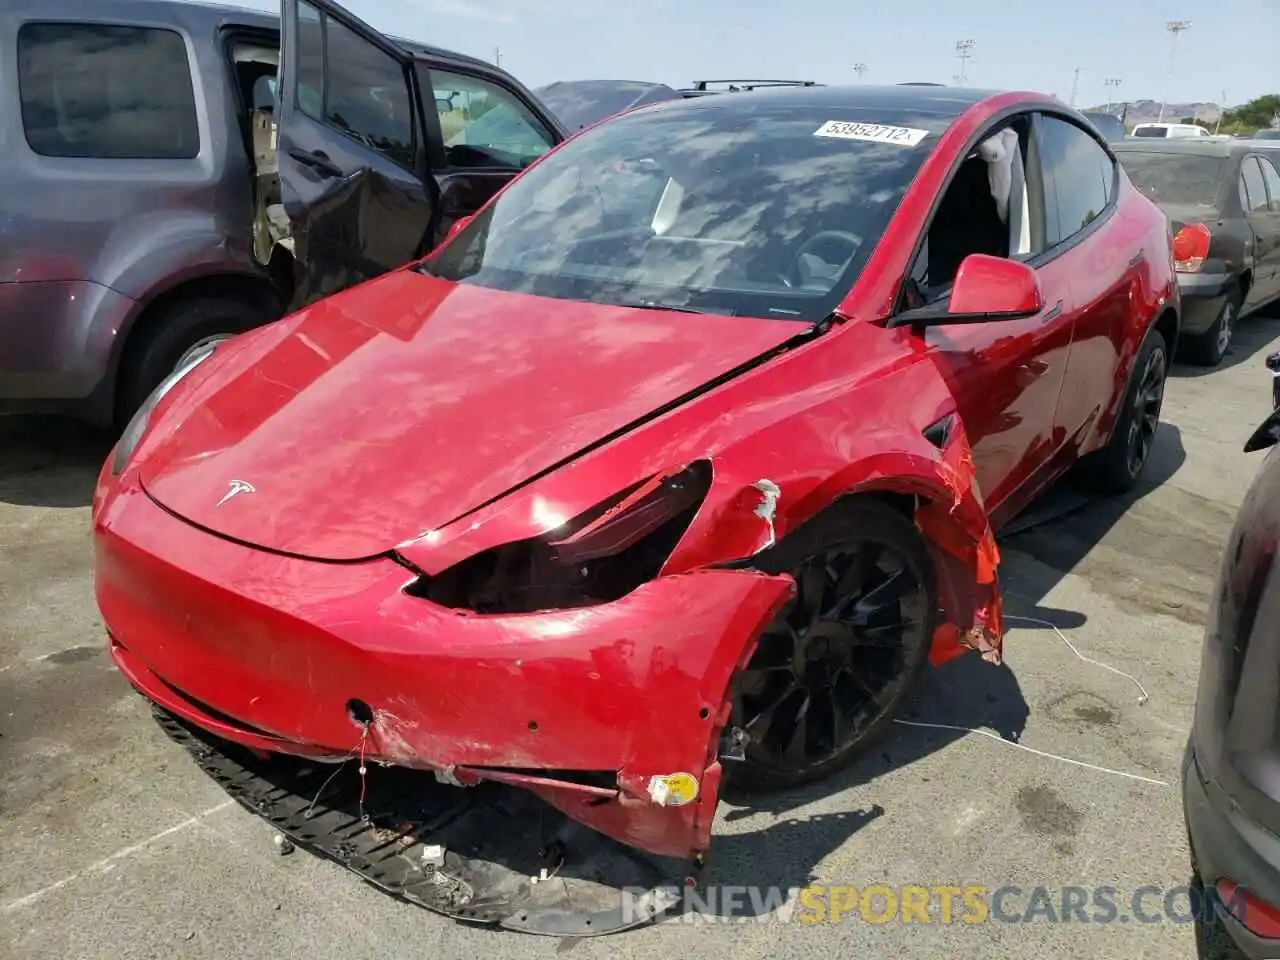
993 288
985 289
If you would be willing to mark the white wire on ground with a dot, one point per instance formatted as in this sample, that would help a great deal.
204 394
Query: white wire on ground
1041 753
1038 753
1097 663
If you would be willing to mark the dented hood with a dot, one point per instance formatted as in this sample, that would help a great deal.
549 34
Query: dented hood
393 408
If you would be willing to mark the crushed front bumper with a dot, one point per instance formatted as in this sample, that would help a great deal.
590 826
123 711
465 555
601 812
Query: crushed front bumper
491 855
597 711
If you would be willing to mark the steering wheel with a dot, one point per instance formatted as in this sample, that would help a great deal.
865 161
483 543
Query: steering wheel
826 245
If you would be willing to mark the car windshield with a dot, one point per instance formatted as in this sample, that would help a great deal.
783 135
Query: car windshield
1175 178
767 209
584 102
1267 135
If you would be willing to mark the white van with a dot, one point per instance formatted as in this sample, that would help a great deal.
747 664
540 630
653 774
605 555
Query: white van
1170 130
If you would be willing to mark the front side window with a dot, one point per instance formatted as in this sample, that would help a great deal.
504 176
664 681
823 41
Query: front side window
106 92
1178 178
348 83
1080 174
484 125
729 207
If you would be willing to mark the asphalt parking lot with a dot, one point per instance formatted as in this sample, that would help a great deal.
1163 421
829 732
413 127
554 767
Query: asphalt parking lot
115 846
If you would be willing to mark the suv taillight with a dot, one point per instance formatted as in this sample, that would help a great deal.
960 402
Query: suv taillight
1190 247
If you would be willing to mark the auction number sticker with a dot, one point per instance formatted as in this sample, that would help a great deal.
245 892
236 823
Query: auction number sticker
874 132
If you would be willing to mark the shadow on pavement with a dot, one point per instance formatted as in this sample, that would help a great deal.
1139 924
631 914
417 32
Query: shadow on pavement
1253 333
49 462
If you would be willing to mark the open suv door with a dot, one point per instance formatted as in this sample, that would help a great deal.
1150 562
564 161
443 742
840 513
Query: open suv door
351 150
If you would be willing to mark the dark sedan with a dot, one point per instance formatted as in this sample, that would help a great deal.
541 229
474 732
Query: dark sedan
1231 774
1223 200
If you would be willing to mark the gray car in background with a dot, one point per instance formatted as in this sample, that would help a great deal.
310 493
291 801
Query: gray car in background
154 202
1222 198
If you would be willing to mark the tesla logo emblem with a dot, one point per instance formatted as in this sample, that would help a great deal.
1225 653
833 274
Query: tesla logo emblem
237 487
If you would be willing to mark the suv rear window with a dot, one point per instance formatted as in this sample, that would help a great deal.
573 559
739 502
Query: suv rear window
1151 132
106 92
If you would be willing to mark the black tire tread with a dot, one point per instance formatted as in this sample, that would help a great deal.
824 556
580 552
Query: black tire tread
854 517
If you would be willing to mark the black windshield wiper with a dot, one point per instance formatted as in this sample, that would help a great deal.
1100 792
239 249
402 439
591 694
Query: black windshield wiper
672 307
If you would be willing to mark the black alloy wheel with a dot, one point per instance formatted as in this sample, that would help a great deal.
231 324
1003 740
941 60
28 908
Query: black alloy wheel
830 670
1145 419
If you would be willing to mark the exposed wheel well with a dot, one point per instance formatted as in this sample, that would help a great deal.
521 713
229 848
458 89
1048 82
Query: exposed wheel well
1167 327
259 293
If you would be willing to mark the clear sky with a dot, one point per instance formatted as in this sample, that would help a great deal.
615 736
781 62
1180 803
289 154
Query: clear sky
1232 45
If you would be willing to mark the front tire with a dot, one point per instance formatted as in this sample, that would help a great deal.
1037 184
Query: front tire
1118 466
833 667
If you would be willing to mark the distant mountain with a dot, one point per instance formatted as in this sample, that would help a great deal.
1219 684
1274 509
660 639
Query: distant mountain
1143 111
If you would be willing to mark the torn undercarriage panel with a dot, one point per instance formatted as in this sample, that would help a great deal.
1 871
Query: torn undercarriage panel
489 854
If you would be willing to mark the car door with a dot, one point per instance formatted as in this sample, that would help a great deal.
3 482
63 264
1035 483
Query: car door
483 130
351 151
1006 375
1263 214
1101 257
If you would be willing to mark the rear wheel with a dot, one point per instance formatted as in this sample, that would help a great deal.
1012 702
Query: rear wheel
1208 349
169 338
833 667
1118 466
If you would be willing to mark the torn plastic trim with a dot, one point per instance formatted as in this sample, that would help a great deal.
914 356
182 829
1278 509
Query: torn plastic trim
479 856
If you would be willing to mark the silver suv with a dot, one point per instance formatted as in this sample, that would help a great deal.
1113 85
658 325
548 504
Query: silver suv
160 192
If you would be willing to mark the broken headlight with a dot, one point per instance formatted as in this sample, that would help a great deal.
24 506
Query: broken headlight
597 557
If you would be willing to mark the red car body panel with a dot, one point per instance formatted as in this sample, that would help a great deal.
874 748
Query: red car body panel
407 439
282 644
401 366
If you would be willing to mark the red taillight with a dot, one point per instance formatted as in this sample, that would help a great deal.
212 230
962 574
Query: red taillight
1190 247
1259 918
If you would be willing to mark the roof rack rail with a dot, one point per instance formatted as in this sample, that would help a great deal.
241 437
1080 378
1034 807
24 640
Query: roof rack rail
704 86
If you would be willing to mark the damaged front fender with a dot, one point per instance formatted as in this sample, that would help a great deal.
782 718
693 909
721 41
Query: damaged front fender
743 516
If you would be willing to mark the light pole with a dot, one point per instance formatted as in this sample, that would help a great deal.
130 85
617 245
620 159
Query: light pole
859 69
1111 84
1174 27
1075 84
497 57
964 50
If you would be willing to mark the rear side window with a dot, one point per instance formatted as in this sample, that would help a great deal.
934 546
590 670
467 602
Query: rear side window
1254 192
1080 172
1272 177
1151 131
106 92
350 84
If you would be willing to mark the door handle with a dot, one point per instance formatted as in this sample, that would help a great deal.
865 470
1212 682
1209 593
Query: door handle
1052 313
1136 259
317 161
